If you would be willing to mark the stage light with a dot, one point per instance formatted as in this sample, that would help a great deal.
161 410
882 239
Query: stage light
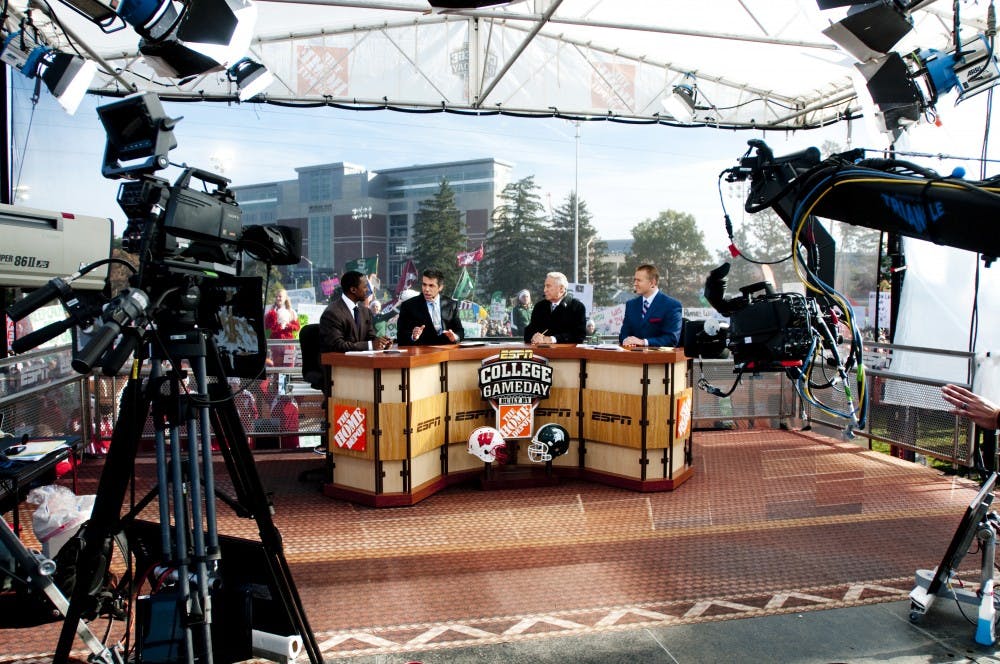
870 30
900 101
467 4
251 78
972 69
182 40
67 76
686 104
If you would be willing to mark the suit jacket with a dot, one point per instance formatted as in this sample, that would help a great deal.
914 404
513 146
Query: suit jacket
567 323
413 313
660 327
337 332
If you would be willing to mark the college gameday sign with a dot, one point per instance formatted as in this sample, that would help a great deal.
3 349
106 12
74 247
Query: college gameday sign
513 382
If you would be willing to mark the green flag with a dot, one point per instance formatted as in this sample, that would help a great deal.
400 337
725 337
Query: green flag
365 266
464 287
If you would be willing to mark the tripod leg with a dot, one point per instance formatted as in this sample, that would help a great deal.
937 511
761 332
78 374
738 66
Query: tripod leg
105 518
250 491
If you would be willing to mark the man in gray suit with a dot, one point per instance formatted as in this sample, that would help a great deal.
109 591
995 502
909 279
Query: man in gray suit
347 323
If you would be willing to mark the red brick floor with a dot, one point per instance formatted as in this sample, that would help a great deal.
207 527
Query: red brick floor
772 521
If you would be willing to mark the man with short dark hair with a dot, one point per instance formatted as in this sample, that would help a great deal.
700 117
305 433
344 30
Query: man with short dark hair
559 318
431 320
346 323
653 318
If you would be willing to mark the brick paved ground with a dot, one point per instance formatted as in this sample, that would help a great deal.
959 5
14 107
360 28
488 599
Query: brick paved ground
772 521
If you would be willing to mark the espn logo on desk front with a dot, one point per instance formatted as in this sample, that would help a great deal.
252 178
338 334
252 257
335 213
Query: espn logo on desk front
598 416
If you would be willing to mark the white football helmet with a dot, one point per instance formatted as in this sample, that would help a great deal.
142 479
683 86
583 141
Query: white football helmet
487 444
550 441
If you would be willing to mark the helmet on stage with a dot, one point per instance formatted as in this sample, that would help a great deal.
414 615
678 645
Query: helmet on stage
487 444
548 442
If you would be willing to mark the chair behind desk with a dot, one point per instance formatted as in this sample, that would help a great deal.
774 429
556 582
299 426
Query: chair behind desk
317 376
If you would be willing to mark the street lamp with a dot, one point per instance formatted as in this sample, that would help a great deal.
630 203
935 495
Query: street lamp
362 214
588 256
310 272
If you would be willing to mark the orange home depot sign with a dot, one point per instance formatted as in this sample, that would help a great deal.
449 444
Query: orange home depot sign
349 426
682 407
513 382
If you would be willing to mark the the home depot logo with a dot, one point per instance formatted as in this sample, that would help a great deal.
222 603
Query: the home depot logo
349 427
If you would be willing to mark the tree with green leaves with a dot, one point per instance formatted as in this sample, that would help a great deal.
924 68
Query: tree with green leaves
518 246
440 235
601 274
674 244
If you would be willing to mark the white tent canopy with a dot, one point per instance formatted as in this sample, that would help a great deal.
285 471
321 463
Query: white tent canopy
757 63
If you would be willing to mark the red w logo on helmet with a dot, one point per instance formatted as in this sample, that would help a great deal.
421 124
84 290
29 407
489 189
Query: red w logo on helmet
485 438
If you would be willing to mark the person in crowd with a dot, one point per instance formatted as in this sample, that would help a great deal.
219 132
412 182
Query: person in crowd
281 322
559 318
432 319
380 318
520 315
346 324
592 336
980 410
653 318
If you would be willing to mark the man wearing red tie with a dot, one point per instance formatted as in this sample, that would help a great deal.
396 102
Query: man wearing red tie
653 318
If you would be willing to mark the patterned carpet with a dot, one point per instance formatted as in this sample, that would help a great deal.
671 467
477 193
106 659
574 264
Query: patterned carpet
771 522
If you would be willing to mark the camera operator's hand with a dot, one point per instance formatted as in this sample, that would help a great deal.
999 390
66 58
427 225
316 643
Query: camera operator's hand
981 411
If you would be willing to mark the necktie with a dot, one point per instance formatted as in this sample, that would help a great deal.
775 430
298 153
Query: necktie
357 319
435 316
645 307
554 305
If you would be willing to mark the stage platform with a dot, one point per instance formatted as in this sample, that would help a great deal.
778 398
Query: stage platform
783 530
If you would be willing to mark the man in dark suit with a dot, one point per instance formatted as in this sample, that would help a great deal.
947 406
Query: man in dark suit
557 319
431 320
347 323
653 318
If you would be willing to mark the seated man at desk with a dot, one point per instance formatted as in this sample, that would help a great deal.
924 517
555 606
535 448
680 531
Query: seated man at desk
653 318
559 318
346 324
431 320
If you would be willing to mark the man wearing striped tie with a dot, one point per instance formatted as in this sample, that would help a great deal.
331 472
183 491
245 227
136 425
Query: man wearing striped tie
653 318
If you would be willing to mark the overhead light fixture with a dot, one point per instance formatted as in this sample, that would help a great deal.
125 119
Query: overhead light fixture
683 103
181 40
900 102
871 29
251 78
66 75
972 69
445 5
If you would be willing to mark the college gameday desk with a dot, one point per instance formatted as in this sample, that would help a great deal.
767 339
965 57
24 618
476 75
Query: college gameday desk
627 413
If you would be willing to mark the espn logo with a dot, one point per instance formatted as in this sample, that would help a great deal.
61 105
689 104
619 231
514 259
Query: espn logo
598 416
471 415
553 412
427 424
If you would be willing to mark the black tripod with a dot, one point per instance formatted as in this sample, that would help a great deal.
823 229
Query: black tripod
196 632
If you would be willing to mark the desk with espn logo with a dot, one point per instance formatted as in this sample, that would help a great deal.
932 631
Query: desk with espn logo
400 422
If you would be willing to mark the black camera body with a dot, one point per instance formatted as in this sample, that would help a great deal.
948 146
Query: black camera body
773 332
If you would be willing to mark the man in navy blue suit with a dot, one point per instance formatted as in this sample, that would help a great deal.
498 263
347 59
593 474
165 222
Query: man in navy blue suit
653 318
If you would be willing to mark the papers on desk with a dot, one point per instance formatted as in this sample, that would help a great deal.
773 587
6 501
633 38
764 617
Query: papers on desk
387 351
601 346
34 450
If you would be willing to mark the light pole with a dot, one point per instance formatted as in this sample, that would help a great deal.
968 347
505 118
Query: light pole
362 214
313 283
576 207
588 257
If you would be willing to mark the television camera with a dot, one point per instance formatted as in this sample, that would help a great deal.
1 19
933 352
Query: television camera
188 312
797 333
